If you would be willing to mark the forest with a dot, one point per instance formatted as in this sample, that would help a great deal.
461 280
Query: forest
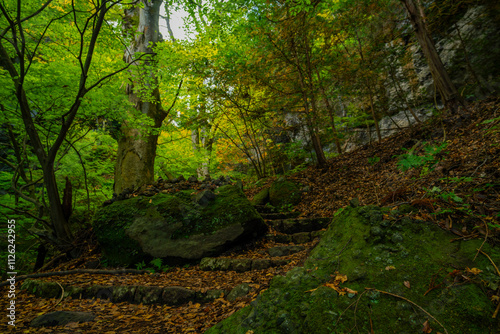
310 125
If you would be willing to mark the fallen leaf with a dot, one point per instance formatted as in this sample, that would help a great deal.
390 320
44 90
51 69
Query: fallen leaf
390 268
341 278
331 285
407 284
475 271
427 328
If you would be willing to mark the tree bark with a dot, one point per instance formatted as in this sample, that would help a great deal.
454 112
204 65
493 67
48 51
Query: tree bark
442 81
136 149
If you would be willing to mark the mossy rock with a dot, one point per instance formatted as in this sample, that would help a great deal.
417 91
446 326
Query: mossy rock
380 254
283 194
261 198
174 226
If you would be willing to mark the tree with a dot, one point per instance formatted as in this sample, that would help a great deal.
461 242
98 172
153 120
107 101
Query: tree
442 80
20 53
137 146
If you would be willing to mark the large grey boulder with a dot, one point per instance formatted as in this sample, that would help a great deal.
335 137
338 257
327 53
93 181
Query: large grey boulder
181 226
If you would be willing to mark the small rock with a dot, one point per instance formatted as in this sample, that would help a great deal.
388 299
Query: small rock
284 250
397 237
175 295
205 197
301 237
354 202
60 318
377 231
238 291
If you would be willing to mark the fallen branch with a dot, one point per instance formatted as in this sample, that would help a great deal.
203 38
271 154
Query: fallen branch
78 271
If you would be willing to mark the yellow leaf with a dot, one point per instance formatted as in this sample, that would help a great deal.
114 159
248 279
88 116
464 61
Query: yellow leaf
350 291
341 278
475 271
390 268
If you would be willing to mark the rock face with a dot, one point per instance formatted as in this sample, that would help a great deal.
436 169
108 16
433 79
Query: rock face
388 125
392 264
474 37
180 226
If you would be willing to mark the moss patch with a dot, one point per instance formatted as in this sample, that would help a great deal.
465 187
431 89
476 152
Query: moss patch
380 252
283 194
110 224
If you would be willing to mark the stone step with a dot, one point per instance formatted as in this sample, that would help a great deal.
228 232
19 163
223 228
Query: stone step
296 225
296 238
238 265
264 209
135 294
284 250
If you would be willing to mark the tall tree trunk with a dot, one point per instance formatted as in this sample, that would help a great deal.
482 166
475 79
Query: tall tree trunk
442 81
137 150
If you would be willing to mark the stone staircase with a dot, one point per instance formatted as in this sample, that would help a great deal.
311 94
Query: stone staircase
285 227
287 234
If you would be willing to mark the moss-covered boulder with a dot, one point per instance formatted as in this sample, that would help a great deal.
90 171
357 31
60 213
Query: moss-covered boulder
261 198
175 226
284 193
397 268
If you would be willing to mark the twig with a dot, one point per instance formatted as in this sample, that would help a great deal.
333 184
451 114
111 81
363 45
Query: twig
481 165
60 299
493 263
496 311
348 307
51 262
485 238
470 236
409 301
338 254
376 194
371 322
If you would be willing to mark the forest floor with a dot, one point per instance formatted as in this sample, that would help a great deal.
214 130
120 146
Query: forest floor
456 187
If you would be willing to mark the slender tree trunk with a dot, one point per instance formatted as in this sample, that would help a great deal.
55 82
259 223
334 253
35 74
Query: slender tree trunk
368 88
442 81
330 113
315 140
137 150
202 145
